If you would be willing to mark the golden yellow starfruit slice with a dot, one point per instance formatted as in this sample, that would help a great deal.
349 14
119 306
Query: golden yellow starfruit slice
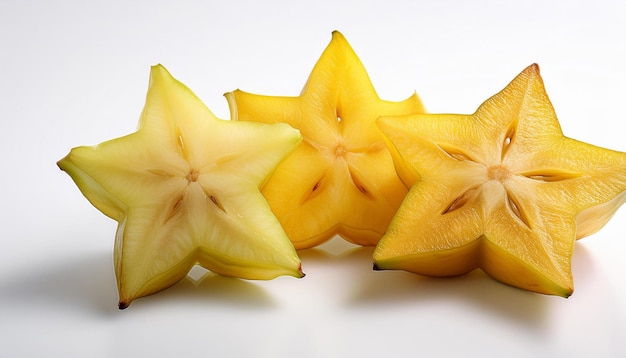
185 190
341 179
502 190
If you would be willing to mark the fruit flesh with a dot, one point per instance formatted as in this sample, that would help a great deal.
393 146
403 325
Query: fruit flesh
341 179
185 190
502 190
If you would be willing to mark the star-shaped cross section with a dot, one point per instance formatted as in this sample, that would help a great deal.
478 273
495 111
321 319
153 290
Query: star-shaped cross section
185 190
341 179
502 190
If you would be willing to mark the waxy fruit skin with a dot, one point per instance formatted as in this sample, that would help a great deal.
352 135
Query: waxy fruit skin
340 179
502 190
184 189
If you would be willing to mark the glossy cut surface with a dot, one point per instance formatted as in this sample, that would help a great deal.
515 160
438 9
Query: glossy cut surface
502 190
184 189
340 179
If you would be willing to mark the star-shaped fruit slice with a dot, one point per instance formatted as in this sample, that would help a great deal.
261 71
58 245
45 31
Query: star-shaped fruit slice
502 190
185 190
340 179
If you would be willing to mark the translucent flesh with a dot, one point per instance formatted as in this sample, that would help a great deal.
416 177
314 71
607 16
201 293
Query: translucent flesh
185 190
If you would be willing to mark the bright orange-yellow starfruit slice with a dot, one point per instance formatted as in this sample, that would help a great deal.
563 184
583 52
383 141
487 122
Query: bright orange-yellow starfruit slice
341 179
502 190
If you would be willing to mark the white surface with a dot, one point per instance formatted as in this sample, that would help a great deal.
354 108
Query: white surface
74 73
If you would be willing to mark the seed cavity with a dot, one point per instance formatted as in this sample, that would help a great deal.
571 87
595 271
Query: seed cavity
316 186
508 140
313 192
454 153
180 142
175 210
516 209
358 184
226 159
551 175
216 203
213 199
459 201
160 172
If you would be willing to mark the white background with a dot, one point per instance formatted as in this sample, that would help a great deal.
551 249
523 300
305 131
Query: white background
76 73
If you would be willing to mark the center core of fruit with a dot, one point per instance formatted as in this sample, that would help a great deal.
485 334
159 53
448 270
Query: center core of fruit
340 151
498 172
192 176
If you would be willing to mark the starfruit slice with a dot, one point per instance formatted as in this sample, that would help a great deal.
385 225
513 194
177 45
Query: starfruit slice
185 190
341 179
502 190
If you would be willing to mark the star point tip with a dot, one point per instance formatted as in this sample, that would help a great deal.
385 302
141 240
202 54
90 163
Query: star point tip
122 305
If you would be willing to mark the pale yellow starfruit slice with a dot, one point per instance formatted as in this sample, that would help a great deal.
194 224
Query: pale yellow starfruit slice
341 179
502 190
185 190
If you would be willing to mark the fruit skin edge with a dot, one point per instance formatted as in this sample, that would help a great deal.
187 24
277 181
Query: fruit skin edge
451 257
